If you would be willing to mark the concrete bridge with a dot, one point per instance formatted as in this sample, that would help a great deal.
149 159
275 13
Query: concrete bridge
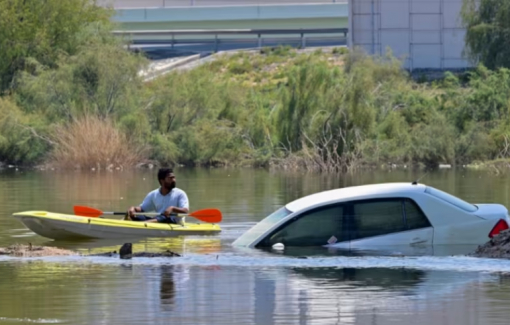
228 14
206 15
122 4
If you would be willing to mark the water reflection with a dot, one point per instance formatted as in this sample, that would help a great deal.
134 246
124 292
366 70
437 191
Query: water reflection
360 296
180 244
380 250
377 277
167 287
130 293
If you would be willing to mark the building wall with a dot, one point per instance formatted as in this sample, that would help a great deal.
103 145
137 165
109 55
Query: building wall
424 33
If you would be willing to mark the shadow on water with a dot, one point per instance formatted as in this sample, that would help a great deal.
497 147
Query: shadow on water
396 251
382 278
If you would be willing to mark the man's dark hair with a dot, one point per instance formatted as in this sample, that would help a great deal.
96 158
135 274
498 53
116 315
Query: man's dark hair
163 173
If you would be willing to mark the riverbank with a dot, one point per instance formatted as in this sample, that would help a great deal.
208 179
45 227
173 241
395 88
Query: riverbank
318 110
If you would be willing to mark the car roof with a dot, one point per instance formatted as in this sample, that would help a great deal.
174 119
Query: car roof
354 192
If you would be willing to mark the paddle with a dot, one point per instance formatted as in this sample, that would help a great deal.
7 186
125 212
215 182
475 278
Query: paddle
206 215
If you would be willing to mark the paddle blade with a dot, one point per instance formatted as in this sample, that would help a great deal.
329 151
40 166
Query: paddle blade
207 215
87 211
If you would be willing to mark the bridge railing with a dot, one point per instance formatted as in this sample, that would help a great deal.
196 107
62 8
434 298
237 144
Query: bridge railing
125 4
217 36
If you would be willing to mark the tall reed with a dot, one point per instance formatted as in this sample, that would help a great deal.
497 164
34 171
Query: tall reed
92 142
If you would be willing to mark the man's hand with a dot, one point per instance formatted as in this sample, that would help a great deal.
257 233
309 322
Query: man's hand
132 211
168 211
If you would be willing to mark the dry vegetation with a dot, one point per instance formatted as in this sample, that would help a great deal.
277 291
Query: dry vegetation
92 142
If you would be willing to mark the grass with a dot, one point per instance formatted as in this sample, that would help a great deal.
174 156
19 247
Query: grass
91 142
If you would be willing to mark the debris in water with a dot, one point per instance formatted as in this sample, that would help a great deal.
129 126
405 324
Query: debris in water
34 251
497 247
125 252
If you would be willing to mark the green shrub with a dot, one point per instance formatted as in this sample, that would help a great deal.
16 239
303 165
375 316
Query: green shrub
43 31
23 137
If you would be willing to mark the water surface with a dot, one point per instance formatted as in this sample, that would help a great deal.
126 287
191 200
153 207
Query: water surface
214 283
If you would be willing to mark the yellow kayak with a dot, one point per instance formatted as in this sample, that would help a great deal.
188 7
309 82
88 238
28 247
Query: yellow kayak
67 226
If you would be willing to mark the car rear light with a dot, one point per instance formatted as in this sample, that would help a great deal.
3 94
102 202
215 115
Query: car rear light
500 226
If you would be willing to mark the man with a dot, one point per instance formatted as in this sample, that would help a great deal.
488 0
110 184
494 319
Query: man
166 200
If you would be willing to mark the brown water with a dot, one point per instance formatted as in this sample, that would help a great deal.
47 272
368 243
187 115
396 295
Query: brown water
213 283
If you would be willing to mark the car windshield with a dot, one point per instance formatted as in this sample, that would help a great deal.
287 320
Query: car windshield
451 199
256 231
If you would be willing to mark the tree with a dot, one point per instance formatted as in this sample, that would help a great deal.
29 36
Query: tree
42 30
487 24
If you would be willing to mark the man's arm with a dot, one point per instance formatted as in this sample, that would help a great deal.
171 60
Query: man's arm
142 207
175 210
180 210
183 206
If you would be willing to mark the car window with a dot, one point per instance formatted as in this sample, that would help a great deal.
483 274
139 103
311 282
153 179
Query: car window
451 199
375 218
415 218
312 228
261 227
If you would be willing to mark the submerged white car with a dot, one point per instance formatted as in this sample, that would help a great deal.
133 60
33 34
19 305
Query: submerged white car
387 214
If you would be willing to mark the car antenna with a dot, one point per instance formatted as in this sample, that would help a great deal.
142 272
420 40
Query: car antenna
416 181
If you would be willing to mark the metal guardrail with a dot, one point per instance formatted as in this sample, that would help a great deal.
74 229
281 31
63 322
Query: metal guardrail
132 4
168 37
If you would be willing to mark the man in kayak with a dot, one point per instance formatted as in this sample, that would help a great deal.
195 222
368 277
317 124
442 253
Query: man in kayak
167 200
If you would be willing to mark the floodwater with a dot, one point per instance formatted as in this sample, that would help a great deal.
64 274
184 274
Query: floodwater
214 283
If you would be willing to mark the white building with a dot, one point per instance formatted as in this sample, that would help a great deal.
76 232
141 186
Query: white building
428 33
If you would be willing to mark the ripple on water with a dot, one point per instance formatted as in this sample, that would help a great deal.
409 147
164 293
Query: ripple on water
29 320
447 263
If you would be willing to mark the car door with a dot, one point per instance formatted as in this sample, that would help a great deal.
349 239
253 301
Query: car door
389 222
